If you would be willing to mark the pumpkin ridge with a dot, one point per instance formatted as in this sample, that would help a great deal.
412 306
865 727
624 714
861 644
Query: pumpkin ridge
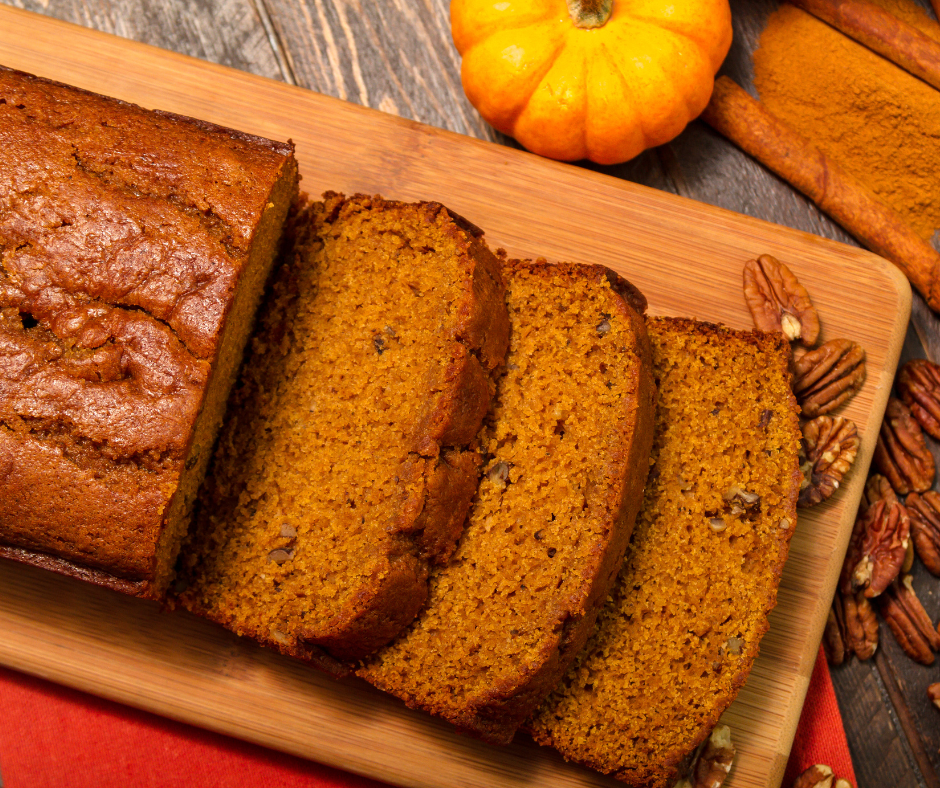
561 92
688 96
613 59
684 93
683 35
585 73
694 101
640 119
477 90
465 41
546 66
706 47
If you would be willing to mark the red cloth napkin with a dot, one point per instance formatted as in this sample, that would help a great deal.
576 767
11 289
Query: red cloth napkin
50 735
820 736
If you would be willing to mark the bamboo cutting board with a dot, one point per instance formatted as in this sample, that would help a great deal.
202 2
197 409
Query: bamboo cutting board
687 259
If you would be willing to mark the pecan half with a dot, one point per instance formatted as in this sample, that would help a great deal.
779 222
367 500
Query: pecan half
827 450
861 626
778 302
918 384
851 628
909 555
933 692
714 760
818 776
877 488
833 640
824 378
901 453
877 549
925 528
909 622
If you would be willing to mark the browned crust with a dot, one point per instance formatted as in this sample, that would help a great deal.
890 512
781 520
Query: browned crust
451 484
119 365
279 148
460 405
50 563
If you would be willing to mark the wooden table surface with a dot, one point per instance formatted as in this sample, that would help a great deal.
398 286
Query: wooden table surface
397 56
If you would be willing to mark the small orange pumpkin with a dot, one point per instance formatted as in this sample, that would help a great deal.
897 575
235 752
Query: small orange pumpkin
590 79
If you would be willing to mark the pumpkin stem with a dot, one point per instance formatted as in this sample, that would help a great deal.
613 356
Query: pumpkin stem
589 13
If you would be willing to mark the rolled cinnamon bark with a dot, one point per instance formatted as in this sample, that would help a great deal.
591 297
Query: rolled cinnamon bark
748 124
881 31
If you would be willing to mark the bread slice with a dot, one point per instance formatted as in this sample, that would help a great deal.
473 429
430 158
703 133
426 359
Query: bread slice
681 631
344 469
567 447
135 246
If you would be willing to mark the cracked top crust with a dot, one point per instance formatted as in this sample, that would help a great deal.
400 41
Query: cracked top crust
123 236
105 201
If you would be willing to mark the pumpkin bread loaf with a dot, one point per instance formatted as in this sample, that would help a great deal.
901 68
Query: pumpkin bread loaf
681 630
345 468
134 246
567 446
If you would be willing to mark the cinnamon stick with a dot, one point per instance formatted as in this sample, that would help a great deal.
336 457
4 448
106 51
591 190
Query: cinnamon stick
882 32
748 124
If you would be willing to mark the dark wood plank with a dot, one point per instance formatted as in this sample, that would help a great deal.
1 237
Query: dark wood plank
881 757
906 682
230 32
396 56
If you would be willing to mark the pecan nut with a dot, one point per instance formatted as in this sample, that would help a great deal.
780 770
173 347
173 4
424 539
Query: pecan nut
828 449
714 760
824 378
877 488
933 692
818 776
925 528
877 549
918 384
833 641
778 302
861 626
909 622
851 628
908 556
901 453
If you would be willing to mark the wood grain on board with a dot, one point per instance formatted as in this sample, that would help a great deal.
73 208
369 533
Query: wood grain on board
685 256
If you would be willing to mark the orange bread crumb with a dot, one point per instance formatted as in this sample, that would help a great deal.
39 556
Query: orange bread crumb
344 468
566 446
680 633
